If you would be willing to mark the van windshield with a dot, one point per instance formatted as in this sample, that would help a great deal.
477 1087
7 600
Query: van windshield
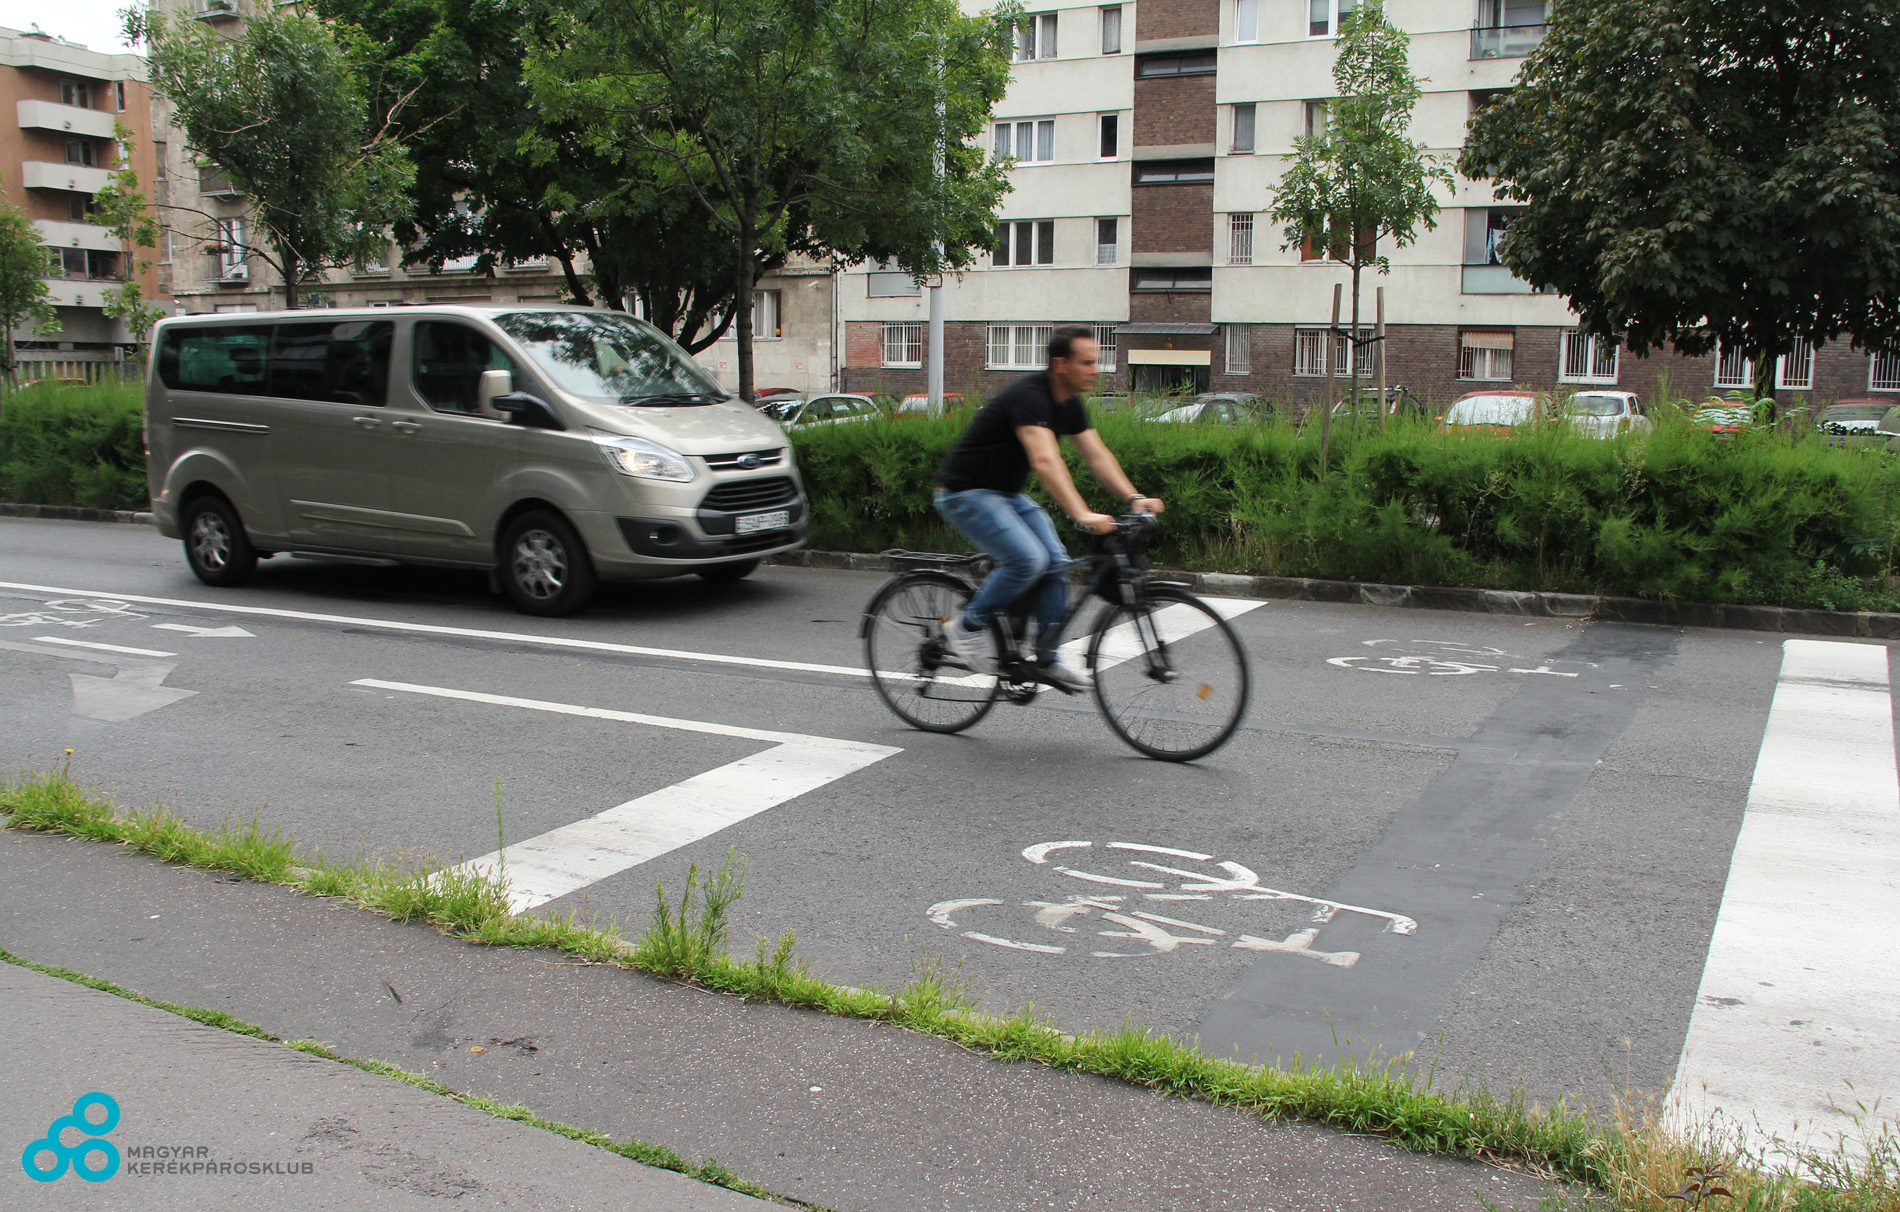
611 358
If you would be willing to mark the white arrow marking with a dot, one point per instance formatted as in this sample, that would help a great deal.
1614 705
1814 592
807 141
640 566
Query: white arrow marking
1299 943
207 633
136 690
54 639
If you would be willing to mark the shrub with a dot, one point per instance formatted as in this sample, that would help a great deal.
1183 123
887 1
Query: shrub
74 444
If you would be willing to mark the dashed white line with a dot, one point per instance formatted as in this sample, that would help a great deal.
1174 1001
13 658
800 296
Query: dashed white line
144 652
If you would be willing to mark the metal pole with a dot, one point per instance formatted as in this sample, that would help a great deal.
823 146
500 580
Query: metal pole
1379 346
1326 417
934 360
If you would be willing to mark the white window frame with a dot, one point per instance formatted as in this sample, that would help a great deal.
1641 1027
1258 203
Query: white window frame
1015 136
1240 238
76 93
766 320
1105 340
1111 29
1108 252
1035 37
1742 378
1313 117
233 262
1794 371
1239 349
1486 363
1309 346
1018 346
1042 244
1730 360
1336 11
1582 358
1102 120
1251 122
906 338
1890 363
165 234
1246 21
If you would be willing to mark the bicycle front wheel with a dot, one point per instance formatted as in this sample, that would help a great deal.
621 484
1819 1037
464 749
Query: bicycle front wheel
1170 675
910 664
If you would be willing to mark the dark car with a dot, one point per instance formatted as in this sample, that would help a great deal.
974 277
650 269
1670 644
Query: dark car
1217 408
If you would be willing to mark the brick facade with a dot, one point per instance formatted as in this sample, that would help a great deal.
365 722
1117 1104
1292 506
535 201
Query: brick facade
1172 219
1158 19
1172 110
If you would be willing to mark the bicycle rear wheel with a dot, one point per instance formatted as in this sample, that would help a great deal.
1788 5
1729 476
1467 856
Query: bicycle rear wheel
1170 675
911 666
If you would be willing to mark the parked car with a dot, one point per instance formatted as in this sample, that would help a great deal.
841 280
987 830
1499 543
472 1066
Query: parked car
833 409
776 393
553 447
1217 408
1725 418
1854 422
1890 427
1496 411
917 404
1605 414
1399 402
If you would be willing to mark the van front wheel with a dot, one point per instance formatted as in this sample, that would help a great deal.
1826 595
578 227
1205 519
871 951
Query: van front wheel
216 547
544 565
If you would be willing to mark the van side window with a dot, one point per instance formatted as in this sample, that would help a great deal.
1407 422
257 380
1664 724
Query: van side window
449 361
345 363
223 359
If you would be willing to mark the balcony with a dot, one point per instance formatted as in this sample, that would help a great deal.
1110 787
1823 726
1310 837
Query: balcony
214 10
57 234
212 184
46 174
1496 280
80 292
1506 41
67 119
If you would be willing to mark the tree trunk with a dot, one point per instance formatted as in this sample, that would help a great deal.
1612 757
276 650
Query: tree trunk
747 238
291 269
1765 380
1352 346
1326 415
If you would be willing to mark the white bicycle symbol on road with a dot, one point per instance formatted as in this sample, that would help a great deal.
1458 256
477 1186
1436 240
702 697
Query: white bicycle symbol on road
71 613
1161 934
1440 658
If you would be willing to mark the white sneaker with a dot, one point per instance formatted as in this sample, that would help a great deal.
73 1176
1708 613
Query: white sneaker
1065 677
971 648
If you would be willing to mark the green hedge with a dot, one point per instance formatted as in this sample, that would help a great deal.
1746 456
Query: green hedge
1672 514
74 444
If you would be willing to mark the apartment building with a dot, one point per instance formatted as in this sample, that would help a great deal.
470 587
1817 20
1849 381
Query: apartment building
60 149
1146 137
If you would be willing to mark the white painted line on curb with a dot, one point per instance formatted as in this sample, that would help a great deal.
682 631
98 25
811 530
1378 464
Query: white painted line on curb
569 858
144 652
1801 991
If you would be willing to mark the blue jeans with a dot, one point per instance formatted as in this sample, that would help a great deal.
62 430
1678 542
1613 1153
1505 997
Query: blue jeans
1017 535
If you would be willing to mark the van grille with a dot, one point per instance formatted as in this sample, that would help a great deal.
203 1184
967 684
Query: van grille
751 494
736 461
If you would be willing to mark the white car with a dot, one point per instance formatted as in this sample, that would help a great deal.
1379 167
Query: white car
820 410
1605 414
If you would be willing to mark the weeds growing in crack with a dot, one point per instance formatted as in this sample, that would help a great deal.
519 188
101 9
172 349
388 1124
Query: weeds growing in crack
689 941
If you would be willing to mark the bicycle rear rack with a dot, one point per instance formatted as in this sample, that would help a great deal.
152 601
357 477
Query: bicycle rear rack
901 560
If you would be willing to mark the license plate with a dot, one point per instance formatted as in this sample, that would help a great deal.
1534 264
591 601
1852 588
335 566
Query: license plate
752 523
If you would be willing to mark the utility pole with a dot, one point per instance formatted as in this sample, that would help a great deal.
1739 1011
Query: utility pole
1326 417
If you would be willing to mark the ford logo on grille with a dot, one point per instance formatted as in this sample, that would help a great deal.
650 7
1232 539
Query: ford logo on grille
749 461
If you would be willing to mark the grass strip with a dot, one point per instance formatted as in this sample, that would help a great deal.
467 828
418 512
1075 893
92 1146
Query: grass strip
1627 1161
657 1156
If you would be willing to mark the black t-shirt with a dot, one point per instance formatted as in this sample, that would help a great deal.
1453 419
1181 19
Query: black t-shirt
990 455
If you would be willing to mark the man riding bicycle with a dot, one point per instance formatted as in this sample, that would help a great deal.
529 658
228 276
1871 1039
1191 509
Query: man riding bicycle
980 493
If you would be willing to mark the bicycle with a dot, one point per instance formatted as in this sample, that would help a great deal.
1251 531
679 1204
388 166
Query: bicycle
1170 675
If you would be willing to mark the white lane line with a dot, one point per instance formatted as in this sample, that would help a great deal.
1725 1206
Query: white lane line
145 652
1801 991
569 858
1176 623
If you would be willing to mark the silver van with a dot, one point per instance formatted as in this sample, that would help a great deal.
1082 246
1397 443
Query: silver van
554 446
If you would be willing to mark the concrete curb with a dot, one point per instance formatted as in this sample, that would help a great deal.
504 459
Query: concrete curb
1787 619
73 513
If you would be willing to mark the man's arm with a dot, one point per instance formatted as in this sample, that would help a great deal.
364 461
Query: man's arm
1108 470
1045 457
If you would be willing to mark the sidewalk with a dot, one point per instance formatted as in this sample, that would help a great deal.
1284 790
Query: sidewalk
845 1114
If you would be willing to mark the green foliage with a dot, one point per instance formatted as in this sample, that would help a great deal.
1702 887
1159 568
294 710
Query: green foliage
282 109
25 299
691 939
127 213
1673 514
1699 170
75 444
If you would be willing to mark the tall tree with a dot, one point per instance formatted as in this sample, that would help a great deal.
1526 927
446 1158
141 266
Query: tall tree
1361 180
281 109
25 299
840 126
497 180
127 213
1702 171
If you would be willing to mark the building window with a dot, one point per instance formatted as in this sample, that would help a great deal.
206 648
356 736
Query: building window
1112 30
1246 20
1036 37
1314 121
1587 358
1107 241
1486 356
1019 346
81 151
1239 348
1186 63
118 92
1186 278
1324 17
1243 128
1111 130
1240 239
1883 372
1105 339
903 345
1031 142
1309 353
1025 242
76 92
165 245
886 280
159 171
1794 371
1733 368
1484 232
1173 172
229 234
1312 251
766 325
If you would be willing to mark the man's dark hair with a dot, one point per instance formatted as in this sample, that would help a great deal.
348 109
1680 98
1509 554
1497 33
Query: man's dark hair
1062 344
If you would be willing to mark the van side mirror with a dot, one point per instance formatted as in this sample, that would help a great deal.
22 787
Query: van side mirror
493 383
530 411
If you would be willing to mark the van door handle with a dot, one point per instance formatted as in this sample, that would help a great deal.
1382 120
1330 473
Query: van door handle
406 426
367 422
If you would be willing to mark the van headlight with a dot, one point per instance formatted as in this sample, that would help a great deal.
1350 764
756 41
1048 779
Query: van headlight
643 459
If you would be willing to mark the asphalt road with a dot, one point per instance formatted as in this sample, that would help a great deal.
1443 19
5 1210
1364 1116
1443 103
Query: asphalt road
1551 805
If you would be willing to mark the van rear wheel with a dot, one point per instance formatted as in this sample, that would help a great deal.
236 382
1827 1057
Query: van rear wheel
544 565
725 574
216 547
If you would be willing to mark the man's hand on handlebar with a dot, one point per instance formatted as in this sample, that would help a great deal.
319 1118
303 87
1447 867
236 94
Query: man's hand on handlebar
1095 523
1147 505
